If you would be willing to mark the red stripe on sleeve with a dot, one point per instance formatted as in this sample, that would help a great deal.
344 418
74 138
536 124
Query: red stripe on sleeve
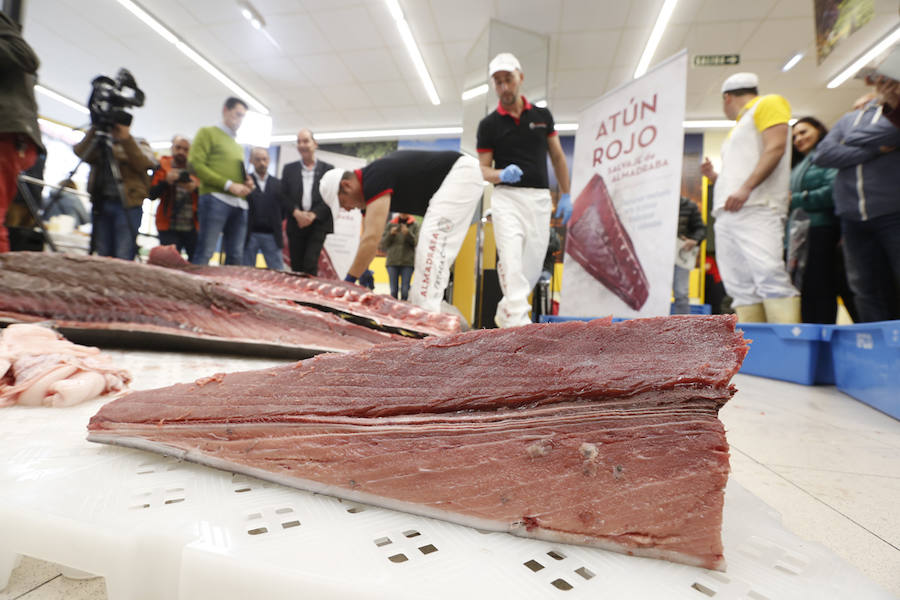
379 195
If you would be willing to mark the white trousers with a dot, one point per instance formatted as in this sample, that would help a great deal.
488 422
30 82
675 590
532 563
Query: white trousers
443 230
749 252
521 219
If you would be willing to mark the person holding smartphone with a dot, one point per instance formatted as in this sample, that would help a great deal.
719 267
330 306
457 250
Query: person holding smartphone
176 188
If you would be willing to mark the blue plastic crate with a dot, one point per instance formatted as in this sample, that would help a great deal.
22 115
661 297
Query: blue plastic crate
698 309
867 363
559 319
797 353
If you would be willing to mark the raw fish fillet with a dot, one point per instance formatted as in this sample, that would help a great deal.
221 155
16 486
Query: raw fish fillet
89 293
341 296
599 242
38 367
588 433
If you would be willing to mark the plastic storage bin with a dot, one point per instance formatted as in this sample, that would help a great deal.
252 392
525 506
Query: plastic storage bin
867 363
797 353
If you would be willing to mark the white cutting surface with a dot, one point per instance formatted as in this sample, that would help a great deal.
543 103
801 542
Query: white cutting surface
155 528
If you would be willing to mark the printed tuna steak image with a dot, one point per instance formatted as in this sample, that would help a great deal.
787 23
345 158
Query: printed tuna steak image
598 241
553 431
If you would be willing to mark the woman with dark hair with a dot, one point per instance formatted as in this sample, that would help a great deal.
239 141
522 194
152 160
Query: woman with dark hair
811 187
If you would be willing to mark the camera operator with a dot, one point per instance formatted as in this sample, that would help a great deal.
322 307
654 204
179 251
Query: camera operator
176 187
116 219
20 138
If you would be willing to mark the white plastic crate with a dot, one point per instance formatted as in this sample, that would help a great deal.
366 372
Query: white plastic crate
157 528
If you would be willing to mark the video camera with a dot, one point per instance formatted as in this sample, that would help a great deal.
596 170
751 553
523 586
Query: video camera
110 97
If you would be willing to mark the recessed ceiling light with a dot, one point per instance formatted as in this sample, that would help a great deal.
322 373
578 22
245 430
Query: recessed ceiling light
790 64
413 50
886 42
478 90
61 99
656 34
164 32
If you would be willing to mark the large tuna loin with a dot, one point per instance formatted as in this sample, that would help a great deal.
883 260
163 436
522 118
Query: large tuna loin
589 433
102 301
599 242
350 300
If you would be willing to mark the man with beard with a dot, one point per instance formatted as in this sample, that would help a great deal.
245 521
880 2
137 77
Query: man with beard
513 143
176 187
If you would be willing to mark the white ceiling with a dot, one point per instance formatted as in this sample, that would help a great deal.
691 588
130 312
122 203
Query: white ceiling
340 64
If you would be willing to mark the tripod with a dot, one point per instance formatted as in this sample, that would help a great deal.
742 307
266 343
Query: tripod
35 212
108 178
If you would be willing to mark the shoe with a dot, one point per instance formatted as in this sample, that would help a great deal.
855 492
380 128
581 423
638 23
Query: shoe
782 310
751 313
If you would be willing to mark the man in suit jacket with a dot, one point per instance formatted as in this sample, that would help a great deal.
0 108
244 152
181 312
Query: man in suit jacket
308 217
265 216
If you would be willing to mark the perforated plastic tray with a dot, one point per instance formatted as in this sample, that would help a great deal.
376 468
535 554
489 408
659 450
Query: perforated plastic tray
157 528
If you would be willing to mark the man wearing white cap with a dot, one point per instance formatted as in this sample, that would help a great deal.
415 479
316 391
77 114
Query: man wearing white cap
513 143
751 198
444 187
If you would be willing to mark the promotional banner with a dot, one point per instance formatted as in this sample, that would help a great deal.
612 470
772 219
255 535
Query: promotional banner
343 243
626 180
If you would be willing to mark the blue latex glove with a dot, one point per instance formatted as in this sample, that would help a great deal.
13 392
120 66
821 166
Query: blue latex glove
350 278
510 174
564 208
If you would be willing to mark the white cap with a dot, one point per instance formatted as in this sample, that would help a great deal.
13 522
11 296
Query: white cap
740 81
504 62
328 188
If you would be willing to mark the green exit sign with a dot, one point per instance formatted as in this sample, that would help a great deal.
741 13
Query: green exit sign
717 60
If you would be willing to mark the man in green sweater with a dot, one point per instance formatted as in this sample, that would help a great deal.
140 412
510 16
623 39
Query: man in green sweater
218 162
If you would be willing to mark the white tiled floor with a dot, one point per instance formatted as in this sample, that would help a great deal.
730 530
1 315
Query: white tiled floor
829 464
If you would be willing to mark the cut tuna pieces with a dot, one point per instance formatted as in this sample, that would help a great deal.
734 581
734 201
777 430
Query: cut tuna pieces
600 244
589 433
341 296
94 294
38 367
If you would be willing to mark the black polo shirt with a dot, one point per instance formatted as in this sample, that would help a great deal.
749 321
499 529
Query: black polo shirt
521 141
411 177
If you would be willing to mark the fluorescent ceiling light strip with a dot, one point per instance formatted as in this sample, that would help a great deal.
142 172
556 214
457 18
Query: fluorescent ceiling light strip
698 124
62 99
792 62
374 133
655 36
192 54
860 62
413 50
478 90
63 132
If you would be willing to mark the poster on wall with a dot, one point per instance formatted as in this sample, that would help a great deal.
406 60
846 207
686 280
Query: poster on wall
626 180
836 20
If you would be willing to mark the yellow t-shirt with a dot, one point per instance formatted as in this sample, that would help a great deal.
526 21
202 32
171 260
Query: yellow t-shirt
772 110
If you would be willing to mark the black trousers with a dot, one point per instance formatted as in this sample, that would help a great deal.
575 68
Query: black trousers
304 246
824 277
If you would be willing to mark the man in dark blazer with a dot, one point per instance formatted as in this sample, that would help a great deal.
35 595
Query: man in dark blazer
308 217
264 215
